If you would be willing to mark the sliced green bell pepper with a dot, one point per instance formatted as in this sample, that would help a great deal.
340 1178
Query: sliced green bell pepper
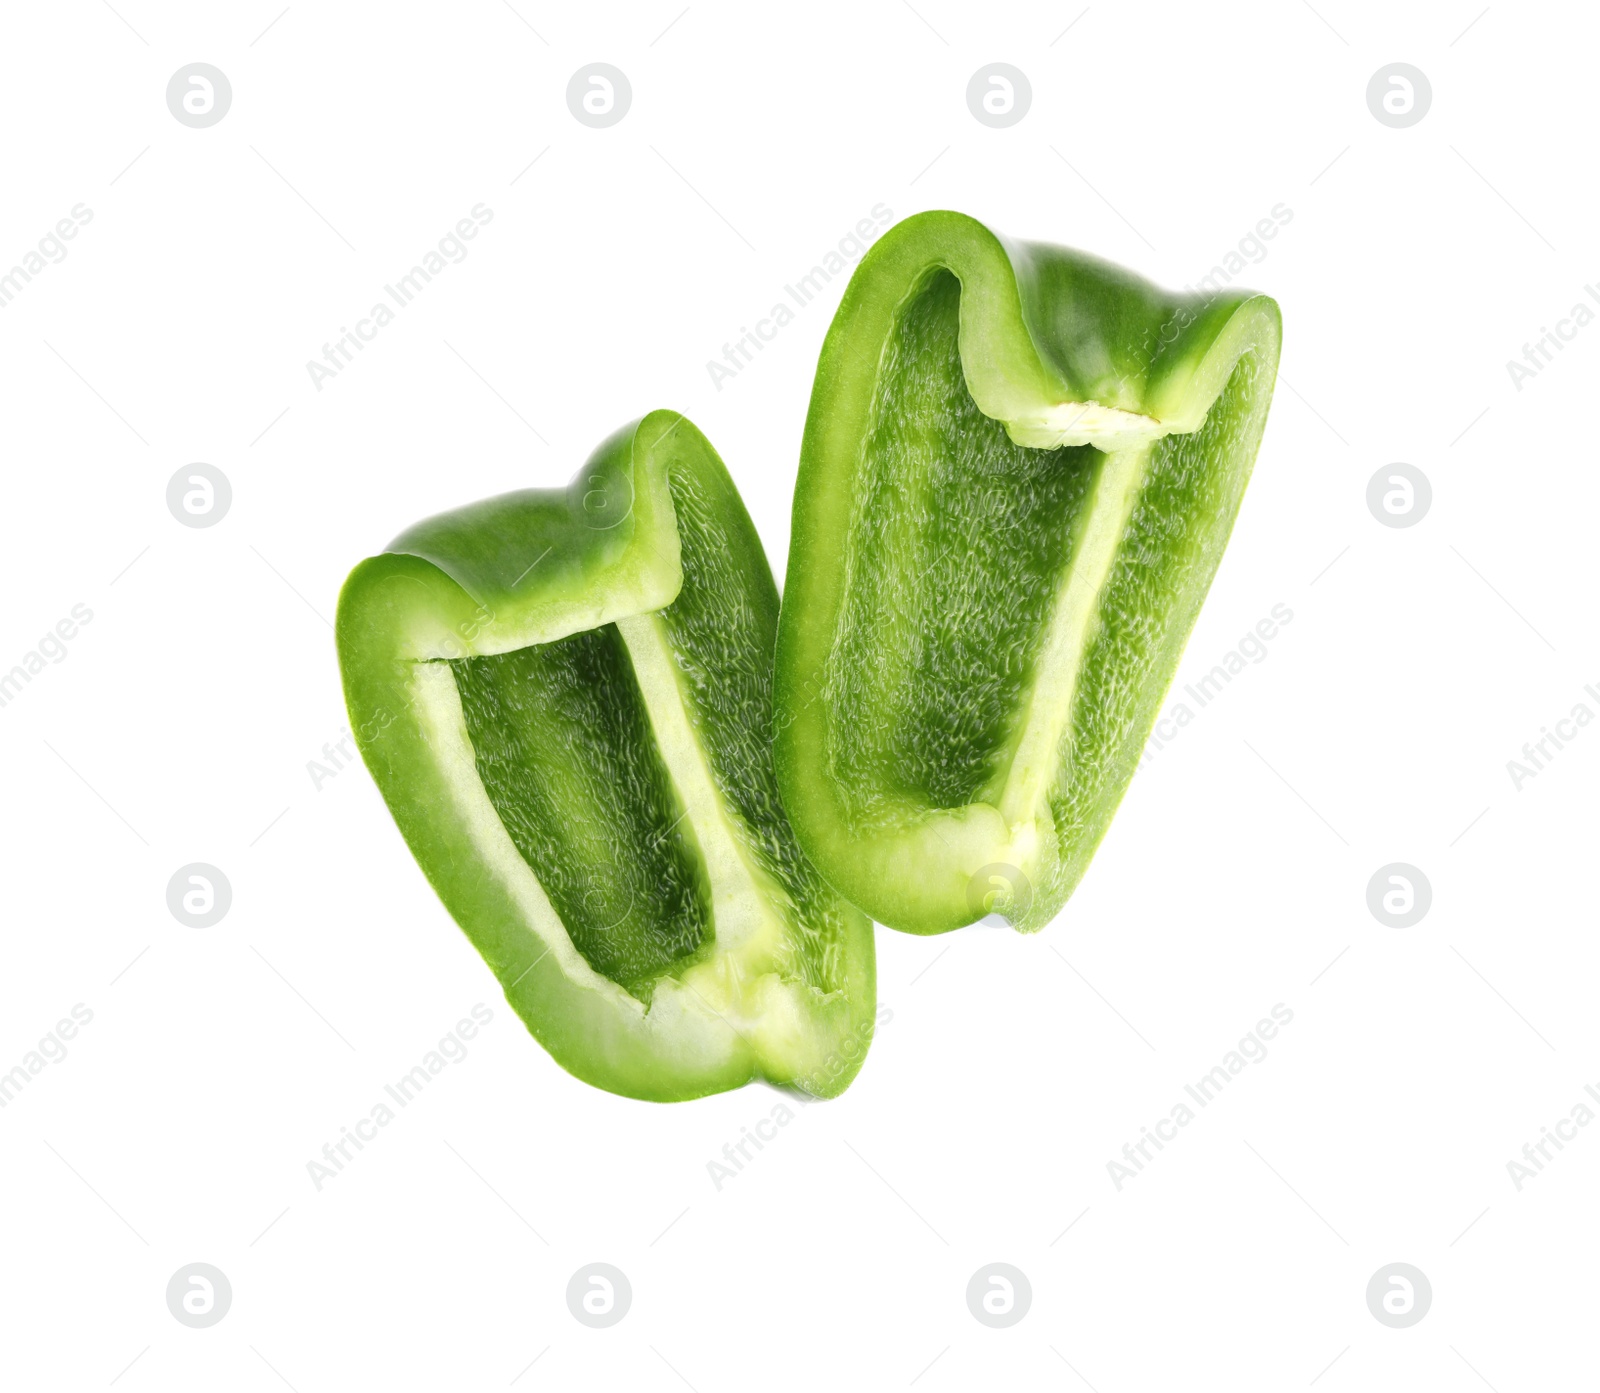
565 698
1020 468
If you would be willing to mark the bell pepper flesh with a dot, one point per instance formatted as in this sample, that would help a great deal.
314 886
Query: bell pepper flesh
565 698
1019 471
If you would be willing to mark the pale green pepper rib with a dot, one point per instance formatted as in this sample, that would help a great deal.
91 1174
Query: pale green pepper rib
565 699
1019 471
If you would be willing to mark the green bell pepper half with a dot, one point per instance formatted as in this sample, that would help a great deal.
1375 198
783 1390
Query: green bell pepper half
1019 471
565 698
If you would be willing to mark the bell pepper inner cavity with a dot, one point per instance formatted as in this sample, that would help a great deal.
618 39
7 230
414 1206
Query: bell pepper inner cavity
563 744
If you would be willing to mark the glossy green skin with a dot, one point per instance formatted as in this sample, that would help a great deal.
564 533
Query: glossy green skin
934 540
491 695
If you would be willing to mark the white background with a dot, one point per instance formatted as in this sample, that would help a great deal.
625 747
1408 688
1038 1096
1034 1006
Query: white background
179 726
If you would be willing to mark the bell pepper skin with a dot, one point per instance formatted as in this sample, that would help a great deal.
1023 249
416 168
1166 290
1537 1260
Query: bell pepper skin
565 698
1019 471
